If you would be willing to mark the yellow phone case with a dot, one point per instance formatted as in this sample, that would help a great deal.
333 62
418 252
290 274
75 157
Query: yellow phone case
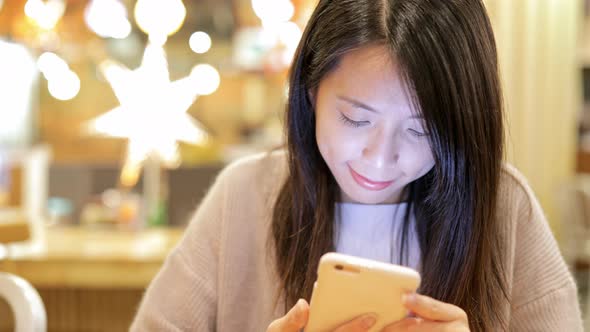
348 287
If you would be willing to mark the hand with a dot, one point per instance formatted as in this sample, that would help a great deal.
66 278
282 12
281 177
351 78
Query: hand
430 315
297 317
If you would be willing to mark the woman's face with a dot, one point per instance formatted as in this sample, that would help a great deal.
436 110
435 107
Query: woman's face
367 130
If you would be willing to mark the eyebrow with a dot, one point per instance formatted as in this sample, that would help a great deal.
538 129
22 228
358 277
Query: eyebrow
359 104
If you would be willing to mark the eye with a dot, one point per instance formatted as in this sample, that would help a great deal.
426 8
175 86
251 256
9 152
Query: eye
355 124
416 133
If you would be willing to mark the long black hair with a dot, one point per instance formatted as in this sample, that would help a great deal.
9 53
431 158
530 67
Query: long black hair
447 55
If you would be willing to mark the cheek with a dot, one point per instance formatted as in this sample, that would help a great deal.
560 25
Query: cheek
416 160
322 132
335 141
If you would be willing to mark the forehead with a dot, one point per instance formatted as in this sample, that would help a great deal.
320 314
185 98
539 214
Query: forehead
371 75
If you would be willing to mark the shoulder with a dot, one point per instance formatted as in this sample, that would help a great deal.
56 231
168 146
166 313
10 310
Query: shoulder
514 192
512 179
517 208
257 167
238 193
258 174
540 279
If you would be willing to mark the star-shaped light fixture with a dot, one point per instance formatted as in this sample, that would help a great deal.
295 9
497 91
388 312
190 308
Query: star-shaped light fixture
152 114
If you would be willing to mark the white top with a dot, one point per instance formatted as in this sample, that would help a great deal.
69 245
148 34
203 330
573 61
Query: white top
373 232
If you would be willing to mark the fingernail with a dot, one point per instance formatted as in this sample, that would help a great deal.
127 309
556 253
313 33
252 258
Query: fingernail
369 321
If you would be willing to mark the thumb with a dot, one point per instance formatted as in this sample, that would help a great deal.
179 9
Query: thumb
294 320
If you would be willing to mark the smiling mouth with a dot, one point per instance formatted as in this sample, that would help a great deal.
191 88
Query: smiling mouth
367 183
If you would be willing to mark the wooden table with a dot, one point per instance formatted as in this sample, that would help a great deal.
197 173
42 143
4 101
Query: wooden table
92 279
81 257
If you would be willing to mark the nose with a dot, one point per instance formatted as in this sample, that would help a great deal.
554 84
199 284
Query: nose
381 150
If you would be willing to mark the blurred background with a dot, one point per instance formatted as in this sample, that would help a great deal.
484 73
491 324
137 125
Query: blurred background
116 115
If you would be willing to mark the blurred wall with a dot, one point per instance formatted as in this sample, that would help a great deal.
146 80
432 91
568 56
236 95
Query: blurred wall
537 45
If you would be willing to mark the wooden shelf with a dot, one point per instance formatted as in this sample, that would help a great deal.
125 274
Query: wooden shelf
13 226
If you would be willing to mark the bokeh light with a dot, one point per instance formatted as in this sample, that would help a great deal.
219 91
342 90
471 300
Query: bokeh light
159 18
108 18
273 11
46 14
206 79
200 42
65 86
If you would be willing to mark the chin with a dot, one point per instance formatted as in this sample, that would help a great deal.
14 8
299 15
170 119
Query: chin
368 199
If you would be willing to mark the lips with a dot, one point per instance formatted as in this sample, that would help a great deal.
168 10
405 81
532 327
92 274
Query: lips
368 184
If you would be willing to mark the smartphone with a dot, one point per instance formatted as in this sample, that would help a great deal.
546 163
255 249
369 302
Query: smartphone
349 286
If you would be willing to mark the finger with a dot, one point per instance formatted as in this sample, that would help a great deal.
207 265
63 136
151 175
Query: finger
431 326
294 320
402 325
431 309
361 323
412 324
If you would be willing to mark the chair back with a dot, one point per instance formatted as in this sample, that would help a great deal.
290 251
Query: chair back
25 302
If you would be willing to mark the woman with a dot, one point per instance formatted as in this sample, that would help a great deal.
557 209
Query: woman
394 152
